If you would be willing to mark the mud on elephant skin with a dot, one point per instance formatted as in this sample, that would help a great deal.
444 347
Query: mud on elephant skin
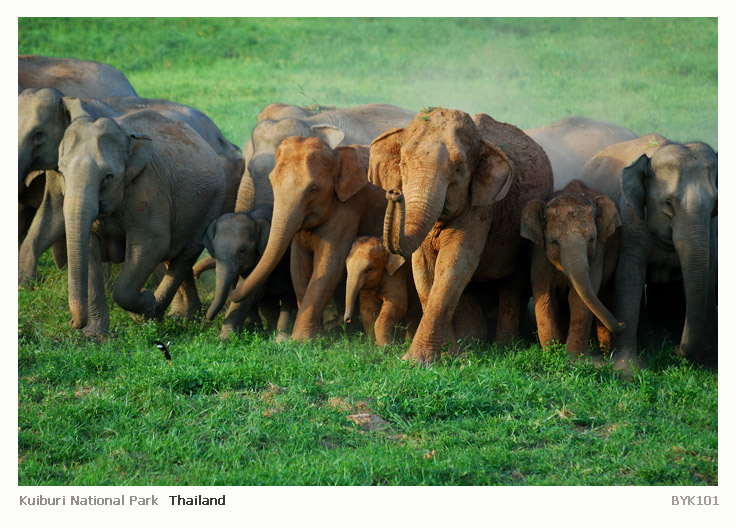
337 127
382 284
667 194
575 247
322 202
139 189
463 184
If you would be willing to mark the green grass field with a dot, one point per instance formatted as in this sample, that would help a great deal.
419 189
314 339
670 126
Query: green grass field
337 410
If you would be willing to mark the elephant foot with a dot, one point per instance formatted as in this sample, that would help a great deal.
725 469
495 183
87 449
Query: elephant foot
679 352
226 332
95 331
281 337
625 365
184 310
419 357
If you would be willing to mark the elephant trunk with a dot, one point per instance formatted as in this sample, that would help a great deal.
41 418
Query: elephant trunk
692 243
410 216
225 274
355 283
81 207
284 225
577 270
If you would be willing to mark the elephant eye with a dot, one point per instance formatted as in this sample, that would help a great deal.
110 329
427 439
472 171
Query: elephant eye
668 208
107 178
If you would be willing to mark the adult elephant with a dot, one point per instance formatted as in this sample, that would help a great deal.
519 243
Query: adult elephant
464 183
322 202
358 125
667 194
73 77
43 117
572 141
139 189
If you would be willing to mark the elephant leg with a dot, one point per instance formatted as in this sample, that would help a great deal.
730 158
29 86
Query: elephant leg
140 262
238 312
628 290
186 301
58 253
178 270
98 322
509 307
391 314
286 316
328 271
370 308
47 227
435 327
301 266
269 309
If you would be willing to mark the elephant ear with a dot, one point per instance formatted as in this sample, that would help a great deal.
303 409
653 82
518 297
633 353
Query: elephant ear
264 229
393 262
532 222
209 237
634 183
385 156
352 171
493 176
72 108
608 219
330 134
140 150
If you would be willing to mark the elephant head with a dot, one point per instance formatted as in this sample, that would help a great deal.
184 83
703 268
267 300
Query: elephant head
308 179
236 241
43 116
445 166
259 152
573 229
675 191
97 161
367 262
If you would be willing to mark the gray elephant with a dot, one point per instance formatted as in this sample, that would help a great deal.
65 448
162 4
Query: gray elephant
576 242
570 142
357 125
43 116
667 194
73 77
139 189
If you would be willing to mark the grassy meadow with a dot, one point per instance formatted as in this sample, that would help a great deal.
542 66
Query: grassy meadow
338 410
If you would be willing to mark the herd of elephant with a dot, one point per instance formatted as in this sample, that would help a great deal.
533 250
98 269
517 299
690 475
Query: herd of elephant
436 223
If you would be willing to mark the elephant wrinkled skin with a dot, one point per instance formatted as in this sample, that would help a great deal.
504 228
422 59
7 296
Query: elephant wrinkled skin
139 189
576 240
463 184
667 195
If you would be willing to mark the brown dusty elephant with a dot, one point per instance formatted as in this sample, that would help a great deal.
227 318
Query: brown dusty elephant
337 127
667 194
570 142
138 189
73 77
383 284
576 241
464 182
322 202
47 113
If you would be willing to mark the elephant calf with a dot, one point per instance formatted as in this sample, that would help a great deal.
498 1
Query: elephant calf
384 284
576 241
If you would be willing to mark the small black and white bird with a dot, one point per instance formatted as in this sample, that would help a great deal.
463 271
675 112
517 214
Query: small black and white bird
165 349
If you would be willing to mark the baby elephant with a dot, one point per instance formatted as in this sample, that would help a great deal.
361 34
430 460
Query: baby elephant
384 284
576 241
